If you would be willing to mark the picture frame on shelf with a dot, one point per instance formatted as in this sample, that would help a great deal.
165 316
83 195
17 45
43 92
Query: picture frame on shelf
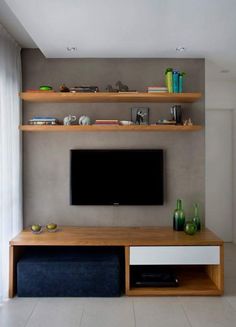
140 115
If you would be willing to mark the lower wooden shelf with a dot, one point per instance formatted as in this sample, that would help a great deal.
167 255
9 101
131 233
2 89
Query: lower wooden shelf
193 282
119 128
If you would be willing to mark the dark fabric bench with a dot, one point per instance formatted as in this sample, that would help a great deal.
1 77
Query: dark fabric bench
70 272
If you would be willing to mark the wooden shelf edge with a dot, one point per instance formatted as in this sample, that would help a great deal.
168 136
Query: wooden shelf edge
106 97
95 128
173 292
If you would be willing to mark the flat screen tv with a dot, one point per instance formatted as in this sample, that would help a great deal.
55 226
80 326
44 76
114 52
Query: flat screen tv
116 177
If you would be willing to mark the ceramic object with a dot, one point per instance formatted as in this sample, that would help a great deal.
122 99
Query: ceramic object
69 120
36 228
126 122
84 120
52 227
190 228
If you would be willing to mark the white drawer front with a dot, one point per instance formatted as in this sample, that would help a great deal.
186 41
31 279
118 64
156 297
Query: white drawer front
174 255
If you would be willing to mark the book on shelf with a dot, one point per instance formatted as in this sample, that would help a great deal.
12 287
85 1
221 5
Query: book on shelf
43 118
157 89
84 88
42 122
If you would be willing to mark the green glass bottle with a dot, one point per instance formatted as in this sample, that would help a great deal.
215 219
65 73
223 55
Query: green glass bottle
196 219
179 217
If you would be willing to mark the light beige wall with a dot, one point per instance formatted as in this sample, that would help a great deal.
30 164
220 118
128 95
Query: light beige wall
46 155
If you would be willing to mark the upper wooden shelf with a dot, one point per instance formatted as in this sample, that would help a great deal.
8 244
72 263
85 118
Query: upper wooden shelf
102 128
105 97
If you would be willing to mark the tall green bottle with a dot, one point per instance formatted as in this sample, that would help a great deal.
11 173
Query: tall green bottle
196 219
179 217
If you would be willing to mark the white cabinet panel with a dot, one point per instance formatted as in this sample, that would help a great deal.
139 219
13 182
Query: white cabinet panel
174 255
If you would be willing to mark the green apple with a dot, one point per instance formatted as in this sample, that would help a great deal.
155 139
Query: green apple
51 226
36 228
190 228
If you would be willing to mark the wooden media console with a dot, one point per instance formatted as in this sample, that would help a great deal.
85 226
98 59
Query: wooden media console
197 260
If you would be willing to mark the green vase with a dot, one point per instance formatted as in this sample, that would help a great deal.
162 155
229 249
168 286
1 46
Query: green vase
196 219
179 217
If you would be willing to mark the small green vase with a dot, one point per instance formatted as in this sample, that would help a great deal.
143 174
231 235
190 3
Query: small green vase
179 217
196 219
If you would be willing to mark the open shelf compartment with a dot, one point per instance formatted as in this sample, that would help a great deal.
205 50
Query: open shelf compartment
193 280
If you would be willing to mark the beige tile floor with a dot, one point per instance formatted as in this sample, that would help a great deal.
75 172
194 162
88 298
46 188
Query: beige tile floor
128 312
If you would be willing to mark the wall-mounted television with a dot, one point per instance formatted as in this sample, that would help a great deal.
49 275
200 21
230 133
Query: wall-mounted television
116 177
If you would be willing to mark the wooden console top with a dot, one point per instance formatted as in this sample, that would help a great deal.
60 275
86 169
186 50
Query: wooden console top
114 236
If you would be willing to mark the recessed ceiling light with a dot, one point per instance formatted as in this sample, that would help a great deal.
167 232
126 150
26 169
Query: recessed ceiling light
71 49
180 49
224 71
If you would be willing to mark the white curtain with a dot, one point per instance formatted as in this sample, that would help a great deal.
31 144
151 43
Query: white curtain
10 152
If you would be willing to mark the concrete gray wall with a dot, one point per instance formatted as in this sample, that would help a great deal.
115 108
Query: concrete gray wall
46 155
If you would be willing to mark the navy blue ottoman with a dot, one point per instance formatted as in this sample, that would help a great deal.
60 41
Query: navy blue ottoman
69 272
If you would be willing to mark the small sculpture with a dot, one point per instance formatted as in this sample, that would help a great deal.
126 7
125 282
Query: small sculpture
188 122
84 120
64 88
69 120
122 87
109 88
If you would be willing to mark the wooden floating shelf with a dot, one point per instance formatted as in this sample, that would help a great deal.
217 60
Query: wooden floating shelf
96 128
105 97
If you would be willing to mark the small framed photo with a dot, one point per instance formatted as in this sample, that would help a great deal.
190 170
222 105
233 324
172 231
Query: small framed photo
140 115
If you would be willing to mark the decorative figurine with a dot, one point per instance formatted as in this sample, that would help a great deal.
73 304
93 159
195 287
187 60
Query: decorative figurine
64 88
69 120
122 87
109 88
188 122
84 120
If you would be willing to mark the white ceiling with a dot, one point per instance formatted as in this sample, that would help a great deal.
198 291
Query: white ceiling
132 28
14 27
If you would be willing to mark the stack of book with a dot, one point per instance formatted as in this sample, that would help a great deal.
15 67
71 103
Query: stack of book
84 88
43 120
157 89
107 122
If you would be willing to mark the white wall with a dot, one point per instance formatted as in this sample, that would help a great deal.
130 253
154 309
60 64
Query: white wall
219 172
234 176
220 152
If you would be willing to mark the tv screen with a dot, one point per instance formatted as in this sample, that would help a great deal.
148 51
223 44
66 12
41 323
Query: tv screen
116 177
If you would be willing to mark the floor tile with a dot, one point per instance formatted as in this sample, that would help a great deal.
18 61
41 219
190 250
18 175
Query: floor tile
57 312
152 312
209 312
16 312
230 291
107 312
